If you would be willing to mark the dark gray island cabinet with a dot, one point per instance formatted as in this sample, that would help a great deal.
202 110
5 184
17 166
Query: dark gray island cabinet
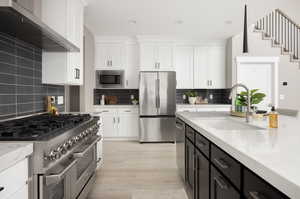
211 173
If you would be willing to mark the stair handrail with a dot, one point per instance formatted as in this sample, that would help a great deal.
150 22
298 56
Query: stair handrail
287 17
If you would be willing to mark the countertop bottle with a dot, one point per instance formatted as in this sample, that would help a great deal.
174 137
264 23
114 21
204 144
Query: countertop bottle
273 118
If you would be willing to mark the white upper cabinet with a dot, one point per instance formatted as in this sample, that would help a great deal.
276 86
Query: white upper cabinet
109 56
154 57
209 67
66 17
132 68
184 65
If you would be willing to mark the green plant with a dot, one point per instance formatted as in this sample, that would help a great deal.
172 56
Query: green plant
191 94
255 97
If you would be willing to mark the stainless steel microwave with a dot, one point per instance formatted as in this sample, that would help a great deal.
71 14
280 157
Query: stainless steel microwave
110 79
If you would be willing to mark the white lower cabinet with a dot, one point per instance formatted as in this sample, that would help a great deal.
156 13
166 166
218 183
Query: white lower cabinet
13 181
120 123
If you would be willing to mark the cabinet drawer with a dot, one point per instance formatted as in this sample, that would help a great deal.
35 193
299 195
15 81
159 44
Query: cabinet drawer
230 167
190 133
128 110
255 187
13 178
220 188
202 144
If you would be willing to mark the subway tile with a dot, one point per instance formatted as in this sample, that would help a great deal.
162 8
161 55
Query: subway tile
24 99
7 89
25 89
38 57
25 62
4 117
7 79
38 74
7 68
7 58
37 66
7 99
7 47
25 72
24 81
39 106
39 98
25 53
24 108
7 109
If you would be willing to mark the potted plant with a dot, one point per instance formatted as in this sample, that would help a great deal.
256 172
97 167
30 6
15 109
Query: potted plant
192 95
255 98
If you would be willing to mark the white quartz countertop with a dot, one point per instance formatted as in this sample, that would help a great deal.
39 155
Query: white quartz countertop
116 106
203 105
273 154
11 153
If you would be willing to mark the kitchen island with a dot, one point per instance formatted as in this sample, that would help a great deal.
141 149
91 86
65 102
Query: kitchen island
270 155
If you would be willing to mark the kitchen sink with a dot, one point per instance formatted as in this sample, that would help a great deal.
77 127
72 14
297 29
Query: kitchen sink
228 124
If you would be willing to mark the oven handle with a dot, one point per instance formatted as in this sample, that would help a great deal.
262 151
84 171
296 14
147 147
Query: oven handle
81 154
51 179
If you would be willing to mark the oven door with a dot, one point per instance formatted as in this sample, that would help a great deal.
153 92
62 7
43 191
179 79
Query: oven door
86 156
56 183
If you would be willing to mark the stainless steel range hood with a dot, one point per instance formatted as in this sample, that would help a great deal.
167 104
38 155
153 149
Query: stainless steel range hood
19 21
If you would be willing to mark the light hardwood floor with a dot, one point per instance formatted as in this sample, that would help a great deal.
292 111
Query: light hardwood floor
138 171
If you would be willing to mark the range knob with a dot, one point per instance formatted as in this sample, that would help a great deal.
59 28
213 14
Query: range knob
70 143
66 146
54 155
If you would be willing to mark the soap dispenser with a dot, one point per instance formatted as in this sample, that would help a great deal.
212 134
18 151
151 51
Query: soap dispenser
273 118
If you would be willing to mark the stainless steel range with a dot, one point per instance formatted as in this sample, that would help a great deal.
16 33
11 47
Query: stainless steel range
64 160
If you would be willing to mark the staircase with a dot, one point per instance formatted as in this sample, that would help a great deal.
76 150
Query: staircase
283 32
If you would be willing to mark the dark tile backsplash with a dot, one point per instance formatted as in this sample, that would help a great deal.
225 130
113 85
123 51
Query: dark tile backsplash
123 95
220 96
21 88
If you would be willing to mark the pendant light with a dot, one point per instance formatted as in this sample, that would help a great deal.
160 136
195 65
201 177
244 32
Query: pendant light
245 39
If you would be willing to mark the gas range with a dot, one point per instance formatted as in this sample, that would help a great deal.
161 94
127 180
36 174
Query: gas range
64 159
39 127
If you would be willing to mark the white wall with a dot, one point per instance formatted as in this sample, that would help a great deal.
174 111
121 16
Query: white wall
87 90
289 72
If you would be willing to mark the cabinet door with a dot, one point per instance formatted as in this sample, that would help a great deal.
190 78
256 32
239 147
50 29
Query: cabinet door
217 67
202 176
189 168
110 128
220 188
101 56
128 124
71 21
132 69
165 57
255 187
115 55
201 65
50 18
184 65
148 56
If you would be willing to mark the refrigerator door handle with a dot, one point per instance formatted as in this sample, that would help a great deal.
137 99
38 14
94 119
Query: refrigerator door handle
158 93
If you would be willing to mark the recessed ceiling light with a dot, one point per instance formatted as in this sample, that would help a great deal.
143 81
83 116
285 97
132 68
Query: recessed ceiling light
179 22
228 22
132 21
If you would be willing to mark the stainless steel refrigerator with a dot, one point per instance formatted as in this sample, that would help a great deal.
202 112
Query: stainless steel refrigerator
157 106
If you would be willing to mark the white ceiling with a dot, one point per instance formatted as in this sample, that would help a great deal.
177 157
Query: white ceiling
202 19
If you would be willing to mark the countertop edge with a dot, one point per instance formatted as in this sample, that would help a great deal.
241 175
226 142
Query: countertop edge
20 152
282 184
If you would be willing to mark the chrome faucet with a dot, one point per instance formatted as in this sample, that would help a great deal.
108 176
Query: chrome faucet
248 113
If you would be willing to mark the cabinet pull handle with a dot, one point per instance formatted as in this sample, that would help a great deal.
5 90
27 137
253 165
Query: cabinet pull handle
1 189
114 120
126 82
221 163
104 111
179 125
107 63
220 182
128 111
118 119
110 62
158 64
207 82
256 195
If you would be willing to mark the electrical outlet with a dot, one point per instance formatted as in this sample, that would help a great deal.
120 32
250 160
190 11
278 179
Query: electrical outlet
53 99
281 97
60 100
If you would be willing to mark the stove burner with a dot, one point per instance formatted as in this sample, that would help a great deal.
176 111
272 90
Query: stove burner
39 127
